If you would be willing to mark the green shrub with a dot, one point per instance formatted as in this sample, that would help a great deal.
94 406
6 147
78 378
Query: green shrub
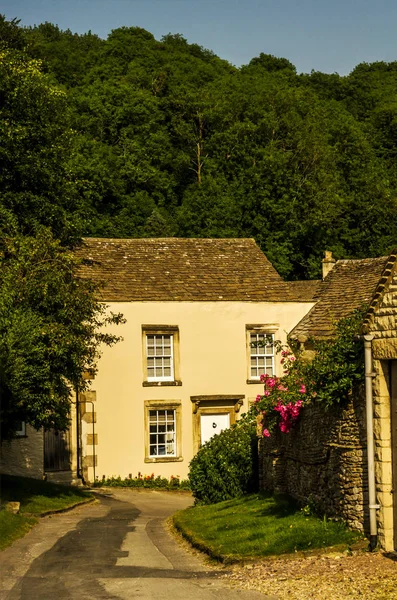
226 466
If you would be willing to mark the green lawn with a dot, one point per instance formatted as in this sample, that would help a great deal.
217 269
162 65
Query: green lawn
36 497
258 525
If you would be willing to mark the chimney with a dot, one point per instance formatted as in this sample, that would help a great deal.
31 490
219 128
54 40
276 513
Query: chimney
328 263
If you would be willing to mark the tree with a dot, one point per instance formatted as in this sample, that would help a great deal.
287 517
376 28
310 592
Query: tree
49 331
50 319
36 185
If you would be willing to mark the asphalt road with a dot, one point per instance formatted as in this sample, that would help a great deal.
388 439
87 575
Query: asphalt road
115 549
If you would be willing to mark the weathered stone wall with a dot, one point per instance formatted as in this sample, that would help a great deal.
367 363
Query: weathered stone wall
323 459
24 456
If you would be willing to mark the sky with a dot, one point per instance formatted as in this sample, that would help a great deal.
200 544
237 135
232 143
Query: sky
322 35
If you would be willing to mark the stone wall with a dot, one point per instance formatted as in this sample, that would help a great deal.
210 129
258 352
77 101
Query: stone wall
24 456
322 460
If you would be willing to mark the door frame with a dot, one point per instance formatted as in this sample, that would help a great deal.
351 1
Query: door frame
213 405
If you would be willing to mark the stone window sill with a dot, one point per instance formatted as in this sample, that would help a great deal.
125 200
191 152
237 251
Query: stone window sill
161 383
160 459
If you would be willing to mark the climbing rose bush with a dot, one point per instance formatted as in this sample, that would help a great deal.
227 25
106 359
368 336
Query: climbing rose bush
283 397
336 368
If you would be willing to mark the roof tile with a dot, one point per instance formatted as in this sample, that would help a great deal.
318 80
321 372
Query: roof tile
350 284
176 269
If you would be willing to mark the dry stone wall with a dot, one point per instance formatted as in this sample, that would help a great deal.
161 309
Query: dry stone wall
322 461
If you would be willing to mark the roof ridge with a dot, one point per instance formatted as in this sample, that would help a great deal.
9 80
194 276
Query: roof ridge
357 260
151 239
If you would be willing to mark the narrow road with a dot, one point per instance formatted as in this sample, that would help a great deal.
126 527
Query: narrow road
116 549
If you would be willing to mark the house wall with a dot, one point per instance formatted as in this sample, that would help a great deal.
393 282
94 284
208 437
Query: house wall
322 460
383 325
213 362
24 456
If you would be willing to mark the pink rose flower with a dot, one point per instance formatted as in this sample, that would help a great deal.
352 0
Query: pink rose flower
266 433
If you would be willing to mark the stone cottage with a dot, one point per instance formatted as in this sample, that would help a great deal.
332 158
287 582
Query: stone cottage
185 368
325 458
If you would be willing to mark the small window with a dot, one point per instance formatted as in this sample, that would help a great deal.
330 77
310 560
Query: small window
162 433
260 352
160 357
163 430
160 352
21 429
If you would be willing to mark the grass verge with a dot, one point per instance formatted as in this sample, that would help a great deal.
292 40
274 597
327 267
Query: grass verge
258 525
13 527
36 498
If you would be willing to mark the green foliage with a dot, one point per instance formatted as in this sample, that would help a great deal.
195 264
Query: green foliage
170 138
337 366
49 322
36 186
13 527
49 319
225 467
145 481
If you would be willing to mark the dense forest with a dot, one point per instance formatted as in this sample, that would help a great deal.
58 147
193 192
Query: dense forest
134 137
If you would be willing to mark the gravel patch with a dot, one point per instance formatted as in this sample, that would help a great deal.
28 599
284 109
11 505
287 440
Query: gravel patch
332 576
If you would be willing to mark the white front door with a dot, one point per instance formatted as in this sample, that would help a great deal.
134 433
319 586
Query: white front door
213 424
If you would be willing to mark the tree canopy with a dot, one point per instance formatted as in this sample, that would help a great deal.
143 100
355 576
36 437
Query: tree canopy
50 319
171 139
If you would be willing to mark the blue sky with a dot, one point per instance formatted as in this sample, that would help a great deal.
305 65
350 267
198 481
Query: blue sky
324 35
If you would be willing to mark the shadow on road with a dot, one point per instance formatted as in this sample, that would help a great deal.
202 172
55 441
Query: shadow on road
72 567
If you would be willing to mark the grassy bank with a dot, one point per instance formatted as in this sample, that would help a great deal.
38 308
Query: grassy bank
257 526
36 497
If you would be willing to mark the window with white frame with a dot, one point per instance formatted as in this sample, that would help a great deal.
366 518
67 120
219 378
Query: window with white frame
160 357
261 354
162 433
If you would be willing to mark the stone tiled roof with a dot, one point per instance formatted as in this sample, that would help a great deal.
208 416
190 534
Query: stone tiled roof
305 291
350 284
174 269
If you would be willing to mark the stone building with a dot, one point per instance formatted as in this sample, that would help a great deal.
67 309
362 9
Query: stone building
324 459
185 368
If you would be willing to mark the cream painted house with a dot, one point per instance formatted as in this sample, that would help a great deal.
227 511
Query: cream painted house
185 368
